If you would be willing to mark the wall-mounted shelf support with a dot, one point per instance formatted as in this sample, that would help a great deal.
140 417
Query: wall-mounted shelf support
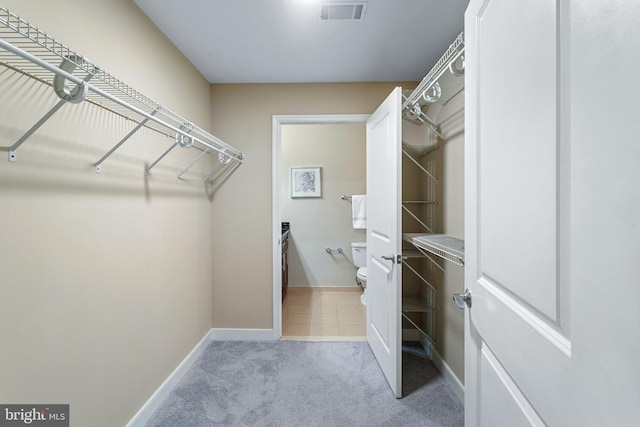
416 113
224 160
414 216
212 173
425 334
39 123
429 174
162 156
201 155
433 261
183 139
420 276
123 140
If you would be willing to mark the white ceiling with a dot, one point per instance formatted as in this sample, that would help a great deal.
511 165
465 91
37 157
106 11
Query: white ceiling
284 41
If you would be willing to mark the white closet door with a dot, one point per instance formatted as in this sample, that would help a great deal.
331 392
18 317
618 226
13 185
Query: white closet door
552 214
384 238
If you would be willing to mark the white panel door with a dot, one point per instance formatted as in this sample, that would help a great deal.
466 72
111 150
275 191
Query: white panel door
552 213
384 238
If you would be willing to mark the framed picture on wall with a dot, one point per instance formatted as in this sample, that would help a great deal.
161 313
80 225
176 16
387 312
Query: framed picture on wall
305 182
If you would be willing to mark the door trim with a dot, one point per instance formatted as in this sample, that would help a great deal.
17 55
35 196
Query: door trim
276 193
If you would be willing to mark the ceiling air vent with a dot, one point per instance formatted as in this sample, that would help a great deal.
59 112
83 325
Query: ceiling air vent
342 11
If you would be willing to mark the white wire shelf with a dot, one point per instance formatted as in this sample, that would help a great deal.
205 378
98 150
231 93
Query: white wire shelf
32 52
441 245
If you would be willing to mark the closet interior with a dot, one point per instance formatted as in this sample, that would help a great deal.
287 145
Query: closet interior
74 80
432 206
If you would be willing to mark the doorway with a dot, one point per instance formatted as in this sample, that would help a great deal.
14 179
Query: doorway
321 276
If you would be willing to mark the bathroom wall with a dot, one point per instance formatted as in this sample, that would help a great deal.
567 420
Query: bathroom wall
324 222
105 282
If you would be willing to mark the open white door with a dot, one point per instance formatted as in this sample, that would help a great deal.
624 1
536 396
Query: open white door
552 224
384 238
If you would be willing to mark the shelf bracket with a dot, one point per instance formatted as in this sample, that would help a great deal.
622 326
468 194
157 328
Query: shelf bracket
201 155
430 258
212 173
429 174
182 139
415 112
224 159
426 282
162 156
12 150
416 218
426 335
123 140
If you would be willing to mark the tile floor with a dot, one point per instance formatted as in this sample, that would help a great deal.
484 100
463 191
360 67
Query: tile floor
315 314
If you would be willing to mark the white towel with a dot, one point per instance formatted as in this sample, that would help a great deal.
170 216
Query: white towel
359 210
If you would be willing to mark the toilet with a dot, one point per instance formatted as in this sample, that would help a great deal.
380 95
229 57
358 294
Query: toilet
359 254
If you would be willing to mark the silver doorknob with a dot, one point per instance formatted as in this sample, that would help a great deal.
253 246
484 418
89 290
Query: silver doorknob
462 299
389 258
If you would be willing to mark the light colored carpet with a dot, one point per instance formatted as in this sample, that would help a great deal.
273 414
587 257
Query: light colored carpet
290 383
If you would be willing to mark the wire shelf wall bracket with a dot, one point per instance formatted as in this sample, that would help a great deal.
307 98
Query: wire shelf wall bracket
29 51
122 141
61 88
422 168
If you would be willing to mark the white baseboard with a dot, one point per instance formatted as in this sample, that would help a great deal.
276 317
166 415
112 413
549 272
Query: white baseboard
219 334
156 399
448 375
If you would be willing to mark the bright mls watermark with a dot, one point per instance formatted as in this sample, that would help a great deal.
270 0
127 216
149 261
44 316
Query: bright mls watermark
34 415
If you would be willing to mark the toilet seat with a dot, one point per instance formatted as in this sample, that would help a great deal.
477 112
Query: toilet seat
362 273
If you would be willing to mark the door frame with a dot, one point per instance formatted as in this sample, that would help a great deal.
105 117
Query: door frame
276 193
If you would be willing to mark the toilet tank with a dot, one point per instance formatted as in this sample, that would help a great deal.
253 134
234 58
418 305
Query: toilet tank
359 253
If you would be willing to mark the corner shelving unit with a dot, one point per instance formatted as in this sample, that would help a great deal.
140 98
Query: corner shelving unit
26 49
429 245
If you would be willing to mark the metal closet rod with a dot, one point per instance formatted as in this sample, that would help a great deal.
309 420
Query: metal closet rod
54 69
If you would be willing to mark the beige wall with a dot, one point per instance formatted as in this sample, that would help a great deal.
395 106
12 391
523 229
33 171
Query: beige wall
325 222
105 282
242 259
